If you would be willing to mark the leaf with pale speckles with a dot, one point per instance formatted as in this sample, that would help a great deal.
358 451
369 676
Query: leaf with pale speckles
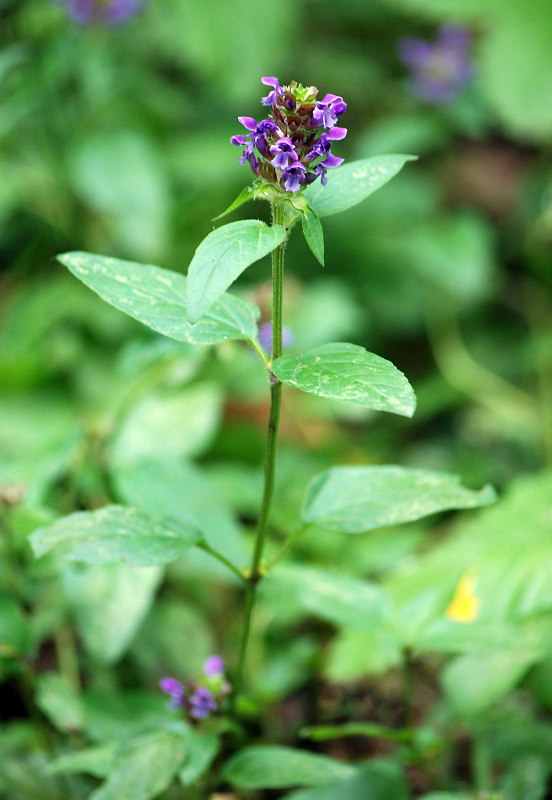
157 298
344 371
352 183
358 499
222 257
116 533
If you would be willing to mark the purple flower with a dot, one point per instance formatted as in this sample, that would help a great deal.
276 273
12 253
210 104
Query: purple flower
175 689
265 337
214 666
322 146
328 110
440 69
293 176
202 703
276 93
285 151
108 12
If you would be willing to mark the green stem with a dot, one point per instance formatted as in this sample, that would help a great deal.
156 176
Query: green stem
256 572
223 560
291 541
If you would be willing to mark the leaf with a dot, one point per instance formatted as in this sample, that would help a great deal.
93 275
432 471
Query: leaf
201 750
338 598
372 730
222 257
313 233
474 682
60 702
116 533
109 603
247 193
97 761
145 769
358 499
181 490
376 780
267 767
351 183
14 628
157 298
344 371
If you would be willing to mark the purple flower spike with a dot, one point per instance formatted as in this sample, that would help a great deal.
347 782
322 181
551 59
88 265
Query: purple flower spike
293 176
284 152
440 69
109 12
272 97
265 337
214 666
202 703
175 689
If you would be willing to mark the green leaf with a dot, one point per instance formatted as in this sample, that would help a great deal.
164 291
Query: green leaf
358 499
109 603
14 628
60 702
351 183
377 780
265 767
344 371
116 533
222 257
372 730
201 750
338 598
248 193
145 768
97 761
474 682
313 233
157 298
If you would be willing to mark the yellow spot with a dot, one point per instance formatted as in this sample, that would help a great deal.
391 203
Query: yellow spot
464 606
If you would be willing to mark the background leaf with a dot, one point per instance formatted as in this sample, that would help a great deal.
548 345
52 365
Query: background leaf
357 499
313 233
348 372
353 182
222 257
157 298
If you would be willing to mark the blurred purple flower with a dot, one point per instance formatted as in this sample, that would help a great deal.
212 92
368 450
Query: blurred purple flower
175 689
202 703
265 336
214 666
108 12
440 69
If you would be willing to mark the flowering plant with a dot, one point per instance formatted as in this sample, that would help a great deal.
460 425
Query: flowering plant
287 152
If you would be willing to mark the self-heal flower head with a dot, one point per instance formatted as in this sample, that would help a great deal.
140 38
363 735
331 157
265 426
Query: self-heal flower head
440 69
292 147
105 12
175 689
202 703
214 666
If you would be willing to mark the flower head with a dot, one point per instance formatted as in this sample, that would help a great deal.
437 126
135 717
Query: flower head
199 699
214 665
106 12
265 336
202 703
175 689
440 69
290 148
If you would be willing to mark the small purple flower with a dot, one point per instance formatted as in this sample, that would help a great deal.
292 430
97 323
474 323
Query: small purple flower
293 176
175 689
108 12
440 69
322 146
214 666
328 110
265 337
202 703
284 152
276 93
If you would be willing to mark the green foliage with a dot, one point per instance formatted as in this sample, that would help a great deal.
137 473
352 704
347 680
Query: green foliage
157 298
312 231
344 371
222 257
116 533
357 499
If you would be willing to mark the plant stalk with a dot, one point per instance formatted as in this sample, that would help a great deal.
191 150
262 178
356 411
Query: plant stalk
256 572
